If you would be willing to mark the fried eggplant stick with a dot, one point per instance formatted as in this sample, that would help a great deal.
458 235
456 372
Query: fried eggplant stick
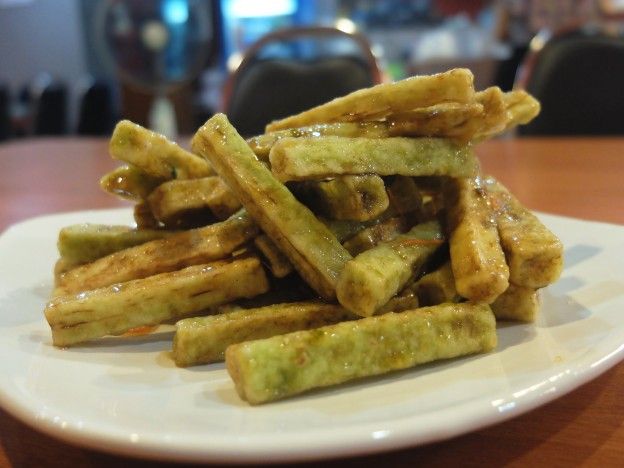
384 99
374 276
115 309
177 200
155 154
309 245
179 250
278 263
285 365
129 182
479 267
323 157
517 303
533 252
84 243
355 198
202 340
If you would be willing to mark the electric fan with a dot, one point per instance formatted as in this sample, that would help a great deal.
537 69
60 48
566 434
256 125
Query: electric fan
156 46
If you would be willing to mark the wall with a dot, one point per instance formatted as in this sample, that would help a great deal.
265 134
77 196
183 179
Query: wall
41 36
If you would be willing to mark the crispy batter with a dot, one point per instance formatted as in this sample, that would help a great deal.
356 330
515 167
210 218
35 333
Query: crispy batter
284 365
369 237
517 303
83 243
437 287
477 258
405 300
262 144
155 154
533 252
384 99
129 182
521 108
448 119
143 216
350 197
323 157
374 276
492 121
202 340
175 201
116 309
277 262
312 249
405 197
179 250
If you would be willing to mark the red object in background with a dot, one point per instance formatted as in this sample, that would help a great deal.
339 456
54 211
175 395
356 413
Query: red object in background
454 7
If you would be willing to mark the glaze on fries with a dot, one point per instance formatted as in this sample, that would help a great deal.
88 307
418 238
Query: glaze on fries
353 239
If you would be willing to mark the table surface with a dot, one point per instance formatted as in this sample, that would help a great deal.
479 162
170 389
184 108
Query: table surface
579 177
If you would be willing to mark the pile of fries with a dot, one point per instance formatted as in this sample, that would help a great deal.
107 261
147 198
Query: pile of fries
350 240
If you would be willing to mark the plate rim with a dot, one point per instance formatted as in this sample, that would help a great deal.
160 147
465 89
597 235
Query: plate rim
403 439
399 438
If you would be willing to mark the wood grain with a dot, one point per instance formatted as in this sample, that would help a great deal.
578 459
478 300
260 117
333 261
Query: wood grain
572 177
51 175
578 177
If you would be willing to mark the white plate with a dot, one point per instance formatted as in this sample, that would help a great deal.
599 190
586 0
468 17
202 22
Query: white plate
126 396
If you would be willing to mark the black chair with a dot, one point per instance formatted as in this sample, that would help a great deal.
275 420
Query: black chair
578 76
5 115
50 108
291 70
96 114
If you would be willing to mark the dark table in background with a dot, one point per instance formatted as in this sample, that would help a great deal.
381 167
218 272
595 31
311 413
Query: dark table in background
575 177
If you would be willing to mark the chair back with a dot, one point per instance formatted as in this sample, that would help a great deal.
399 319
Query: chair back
578 76
50 108
96 113
294 69
5 116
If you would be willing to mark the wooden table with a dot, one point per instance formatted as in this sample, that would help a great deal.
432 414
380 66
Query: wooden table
573 177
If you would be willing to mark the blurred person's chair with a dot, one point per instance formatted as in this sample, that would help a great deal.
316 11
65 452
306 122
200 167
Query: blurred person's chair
5 115
21 112
96 115
578 76
291 70
49 99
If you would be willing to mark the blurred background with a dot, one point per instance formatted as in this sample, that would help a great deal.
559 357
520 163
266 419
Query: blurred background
72 67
